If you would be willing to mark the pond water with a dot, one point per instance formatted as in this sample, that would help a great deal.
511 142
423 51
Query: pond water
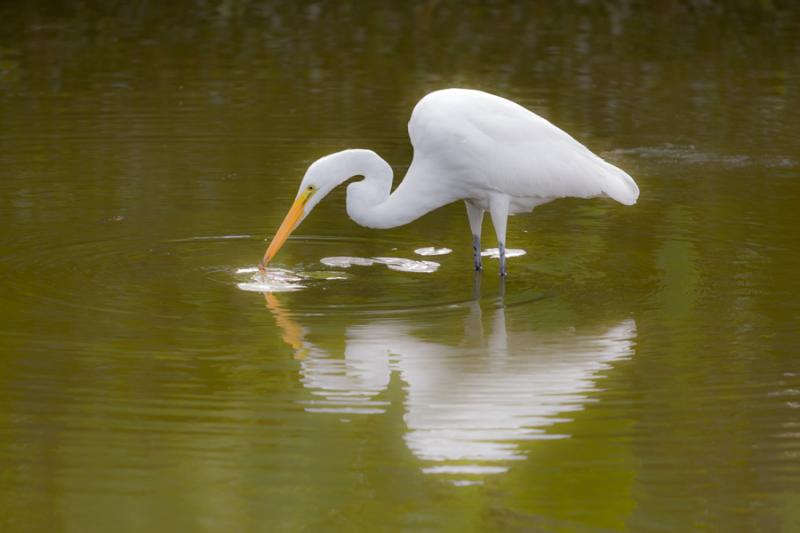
638 370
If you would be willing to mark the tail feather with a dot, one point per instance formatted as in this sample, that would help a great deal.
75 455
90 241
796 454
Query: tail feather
620 186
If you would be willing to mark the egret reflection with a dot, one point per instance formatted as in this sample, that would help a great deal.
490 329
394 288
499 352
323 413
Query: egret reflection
468 406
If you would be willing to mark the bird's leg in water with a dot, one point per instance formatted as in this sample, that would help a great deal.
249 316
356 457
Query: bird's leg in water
475 215
476 252
498 208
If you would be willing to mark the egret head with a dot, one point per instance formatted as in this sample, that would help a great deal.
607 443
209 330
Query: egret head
317 183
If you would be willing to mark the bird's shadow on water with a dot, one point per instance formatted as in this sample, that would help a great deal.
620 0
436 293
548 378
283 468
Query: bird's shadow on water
472 394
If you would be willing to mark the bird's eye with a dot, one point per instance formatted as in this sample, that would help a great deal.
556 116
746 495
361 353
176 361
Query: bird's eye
310 187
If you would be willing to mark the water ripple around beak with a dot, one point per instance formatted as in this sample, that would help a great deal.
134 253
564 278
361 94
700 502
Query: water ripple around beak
281 279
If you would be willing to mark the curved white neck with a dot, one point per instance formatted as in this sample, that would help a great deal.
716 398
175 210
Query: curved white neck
368 201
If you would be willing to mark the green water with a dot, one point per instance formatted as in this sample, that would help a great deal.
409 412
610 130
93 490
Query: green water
637 371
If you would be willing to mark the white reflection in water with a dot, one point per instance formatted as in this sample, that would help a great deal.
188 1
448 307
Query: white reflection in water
467 407
394 263
271 280
346 262
408 265
281 280
494 253
432 250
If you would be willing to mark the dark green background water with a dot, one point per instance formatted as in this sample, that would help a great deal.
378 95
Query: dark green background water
639 370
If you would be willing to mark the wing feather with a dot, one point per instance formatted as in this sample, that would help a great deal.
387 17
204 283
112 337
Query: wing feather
484 142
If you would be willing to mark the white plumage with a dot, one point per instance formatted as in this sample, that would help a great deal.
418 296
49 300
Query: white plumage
497 146
469 145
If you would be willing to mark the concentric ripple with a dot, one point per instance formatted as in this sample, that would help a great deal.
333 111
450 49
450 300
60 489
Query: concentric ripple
376 283
126 275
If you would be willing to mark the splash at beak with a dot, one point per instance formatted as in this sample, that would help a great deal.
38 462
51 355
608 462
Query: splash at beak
289 224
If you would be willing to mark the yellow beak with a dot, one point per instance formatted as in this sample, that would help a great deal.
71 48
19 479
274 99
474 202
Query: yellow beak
290 222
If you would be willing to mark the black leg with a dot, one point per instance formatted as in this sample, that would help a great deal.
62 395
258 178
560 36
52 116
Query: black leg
502 247
476 252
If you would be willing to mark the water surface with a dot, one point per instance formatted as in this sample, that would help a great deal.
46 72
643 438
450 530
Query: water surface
637 371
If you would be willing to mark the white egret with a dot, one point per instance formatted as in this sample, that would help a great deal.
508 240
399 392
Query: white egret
469 145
